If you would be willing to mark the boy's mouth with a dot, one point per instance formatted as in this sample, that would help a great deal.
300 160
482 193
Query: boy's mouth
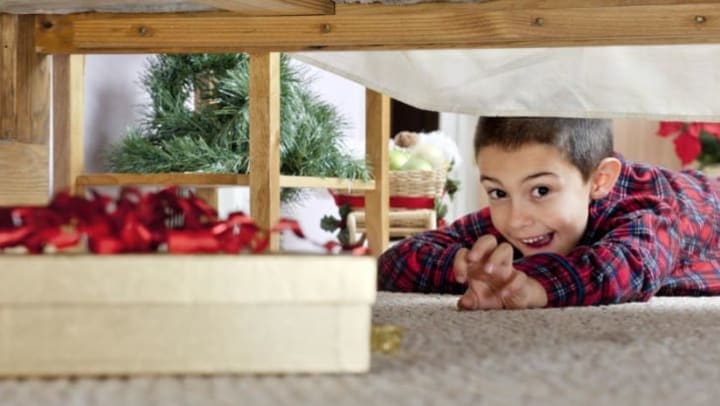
539 241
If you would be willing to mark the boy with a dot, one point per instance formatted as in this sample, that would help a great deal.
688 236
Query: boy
569 223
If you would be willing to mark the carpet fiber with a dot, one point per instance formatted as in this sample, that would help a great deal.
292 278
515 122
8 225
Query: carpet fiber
662 352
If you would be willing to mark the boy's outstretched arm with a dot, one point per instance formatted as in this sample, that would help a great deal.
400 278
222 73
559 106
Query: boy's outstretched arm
629 263
424 262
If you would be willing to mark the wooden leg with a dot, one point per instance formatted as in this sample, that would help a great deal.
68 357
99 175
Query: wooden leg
265 140
377 202
68 109
24 114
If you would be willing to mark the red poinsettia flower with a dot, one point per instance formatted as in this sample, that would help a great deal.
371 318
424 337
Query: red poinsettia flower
712 128
687 144
668 128
687 147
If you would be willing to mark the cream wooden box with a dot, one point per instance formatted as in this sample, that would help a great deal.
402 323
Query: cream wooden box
168 314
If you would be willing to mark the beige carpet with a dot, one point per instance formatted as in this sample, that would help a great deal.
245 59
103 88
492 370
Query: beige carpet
665 352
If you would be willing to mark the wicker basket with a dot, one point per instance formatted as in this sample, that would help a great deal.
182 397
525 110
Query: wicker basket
410 184
412 202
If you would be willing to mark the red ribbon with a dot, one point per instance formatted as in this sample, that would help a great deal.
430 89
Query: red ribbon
137 223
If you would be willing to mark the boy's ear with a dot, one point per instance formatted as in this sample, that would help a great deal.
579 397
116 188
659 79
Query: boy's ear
604 177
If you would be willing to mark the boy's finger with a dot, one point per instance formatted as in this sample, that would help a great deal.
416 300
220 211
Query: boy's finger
468 301
482 247
499 264
460 265
514 295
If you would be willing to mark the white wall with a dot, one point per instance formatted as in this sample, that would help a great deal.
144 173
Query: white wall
114 101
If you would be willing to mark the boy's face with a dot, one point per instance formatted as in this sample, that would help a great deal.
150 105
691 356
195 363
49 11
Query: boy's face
538 199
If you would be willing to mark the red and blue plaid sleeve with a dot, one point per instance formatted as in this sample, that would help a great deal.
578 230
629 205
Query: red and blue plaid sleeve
424 262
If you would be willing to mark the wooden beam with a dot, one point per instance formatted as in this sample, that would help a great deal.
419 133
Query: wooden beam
24 114
273 7
25 79
264 167
168 179
379 27
325 183
23 174
68 119
377 201
215 180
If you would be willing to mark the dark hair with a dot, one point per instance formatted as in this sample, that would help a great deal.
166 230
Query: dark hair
583 141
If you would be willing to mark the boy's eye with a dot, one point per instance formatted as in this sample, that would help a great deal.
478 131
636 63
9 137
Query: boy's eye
496 194
540 191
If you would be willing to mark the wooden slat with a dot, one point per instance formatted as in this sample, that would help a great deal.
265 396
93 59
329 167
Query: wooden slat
456 25
68 102
273 7
182 179
264 165
23 174
24 75
325 183
33 121
377 201
24 115
215 180
8 76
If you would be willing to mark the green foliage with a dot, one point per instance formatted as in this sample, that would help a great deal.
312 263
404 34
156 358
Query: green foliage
710 154
331 224
213 134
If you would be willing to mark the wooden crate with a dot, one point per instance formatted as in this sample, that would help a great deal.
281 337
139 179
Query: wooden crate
71 315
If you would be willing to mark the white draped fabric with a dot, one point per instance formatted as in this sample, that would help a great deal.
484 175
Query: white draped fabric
662 82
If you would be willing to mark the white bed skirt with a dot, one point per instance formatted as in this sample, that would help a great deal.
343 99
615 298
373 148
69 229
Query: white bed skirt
660 82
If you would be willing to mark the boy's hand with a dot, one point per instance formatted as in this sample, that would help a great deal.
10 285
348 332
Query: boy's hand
493 283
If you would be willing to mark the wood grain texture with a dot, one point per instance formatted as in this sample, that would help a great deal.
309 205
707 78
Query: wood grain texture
24 115
182 179
68 102
377 201
23 174
273 7
24 94
264 82
34 95
8 76
435 25
325 183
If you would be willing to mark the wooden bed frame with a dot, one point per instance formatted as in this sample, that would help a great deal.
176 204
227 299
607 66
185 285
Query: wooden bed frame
264 28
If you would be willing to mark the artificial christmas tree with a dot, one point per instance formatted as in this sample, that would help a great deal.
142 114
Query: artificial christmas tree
198 122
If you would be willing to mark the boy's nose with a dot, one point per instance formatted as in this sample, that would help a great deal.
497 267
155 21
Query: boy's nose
520 217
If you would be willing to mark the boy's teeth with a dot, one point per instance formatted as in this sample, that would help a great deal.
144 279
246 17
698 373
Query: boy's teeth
534 239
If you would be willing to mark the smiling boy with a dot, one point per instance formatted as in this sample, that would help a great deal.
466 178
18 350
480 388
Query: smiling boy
569 223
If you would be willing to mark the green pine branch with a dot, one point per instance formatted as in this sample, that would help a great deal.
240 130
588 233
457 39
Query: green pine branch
213 135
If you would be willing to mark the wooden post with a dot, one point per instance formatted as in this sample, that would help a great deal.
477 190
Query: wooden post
265 140
24 114
68 109
377 202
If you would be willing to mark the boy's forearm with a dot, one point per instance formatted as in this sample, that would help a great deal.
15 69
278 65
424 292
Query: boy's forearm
415 266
